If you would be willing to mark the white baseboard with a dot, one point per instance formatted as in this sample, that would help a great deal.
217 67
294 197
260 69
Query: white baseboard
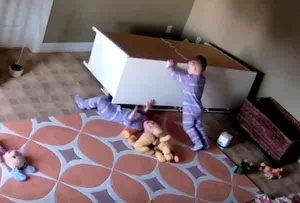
66 47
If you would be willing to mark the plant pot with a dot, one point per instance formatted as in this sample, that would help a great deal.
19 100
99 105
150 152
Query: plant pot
15 70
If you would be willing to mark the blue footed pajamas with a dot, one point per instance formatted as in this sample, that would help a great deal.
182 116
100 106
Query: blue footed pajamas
111 112
193 126
193 86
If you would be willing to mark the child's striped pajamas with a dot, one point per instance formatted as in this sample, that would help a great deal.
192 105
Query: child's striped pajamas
193 86
111 112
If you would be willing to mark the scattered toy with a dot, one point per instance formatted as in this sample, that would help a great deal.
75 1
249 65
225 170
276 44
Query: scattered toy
17 163
244 168
153 142
164 150
271 173
224 139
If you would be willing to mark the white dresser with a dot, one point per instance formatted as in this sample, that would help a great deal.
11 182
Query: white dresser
132 69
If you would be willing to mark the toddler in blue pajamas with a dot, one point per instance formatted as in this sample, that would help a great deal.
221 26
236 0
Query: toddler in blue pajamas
193 84
130 118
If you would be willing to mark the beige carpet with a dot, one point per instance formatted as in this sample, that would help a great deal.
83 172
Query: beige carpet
47 86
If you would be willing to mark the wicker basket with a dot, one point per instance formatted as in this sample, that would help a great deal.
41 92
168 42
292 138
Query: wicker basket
275 130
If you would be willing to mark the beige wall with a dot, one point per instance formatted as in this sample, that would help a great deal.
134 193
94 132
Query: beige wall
263 33
71 20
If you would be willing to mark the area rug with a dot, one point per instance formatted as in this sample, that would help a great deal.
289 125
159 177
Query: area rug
81 158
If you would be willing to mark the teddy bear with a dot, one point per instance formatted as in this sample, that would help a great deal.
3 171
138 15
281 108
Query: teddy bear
164 150
152 141
147 140
271 173
17 163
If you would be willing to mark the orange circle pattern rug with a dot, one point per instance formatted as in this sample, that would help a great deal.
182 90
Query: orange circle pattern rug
81 158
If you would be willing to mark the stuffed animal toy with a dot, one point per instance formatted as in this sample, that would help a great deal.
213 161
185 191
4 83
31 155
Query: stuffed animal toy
16 162
152 141
271 173
244 168
145 143
164 150
129 134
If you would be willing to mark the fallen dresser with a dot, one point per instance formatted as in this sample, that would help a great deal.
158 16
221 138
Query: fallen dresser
274 129
132 69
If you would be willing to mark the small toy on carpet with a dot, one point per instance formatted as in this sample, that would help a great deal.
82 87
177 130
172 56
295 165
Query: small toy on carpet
17 163
263 198
148 138
164 150
224 139
271 173
152 141
244 168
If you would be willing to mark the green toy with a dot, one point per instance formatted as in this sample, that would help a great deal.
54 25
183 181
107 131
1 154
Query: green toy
244 168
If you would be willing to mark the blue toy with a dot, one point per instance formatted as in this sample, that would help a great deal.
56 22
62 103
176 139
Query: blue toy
14 160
